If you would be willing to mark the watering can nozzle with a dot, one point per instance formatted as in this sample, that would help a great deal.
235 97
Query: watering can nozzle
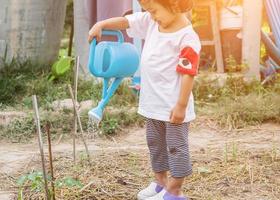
95 114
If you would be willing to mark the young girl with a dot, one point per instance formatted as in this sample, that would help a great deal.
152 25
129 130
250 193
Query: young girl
169 63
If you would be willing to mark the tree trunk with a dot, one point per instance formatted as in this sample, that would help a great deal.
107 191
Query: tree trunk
31 29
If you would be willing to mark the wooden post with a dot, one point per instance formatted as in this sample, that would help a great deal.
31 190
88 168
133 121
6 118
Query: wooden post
216 41
71 37
48 126
252 16
40 141
76 76
79 120
216 37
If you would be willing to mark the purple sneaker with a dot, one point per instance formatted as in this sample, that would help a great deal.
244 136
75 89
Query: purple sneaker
164 195
152 190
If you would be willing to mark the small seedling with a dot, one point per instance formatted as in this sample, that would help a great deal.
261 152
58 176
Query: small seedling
226 153
34 180
234 151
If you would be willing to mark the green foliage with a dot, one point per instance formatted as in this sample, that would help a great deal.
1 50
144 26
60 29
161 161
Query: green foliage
61 67
113 122
233 66
68 182
109 126
35 182
88 89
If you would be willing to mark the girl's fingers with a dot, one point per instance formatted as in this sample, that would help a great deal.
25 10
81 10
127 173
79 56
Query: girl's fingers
171 114
98 38
89 39
173 119
92 36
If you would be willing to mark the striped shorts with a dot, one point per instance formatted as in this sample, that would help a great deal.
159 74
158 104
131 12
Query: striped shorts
169 149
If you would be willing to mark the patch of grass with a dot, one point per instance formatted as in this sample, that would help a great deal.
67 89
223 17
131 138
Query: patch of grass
13 76
112 123
247 110
238 103
206 90
124 96
19 130
23 129
232 65
19 81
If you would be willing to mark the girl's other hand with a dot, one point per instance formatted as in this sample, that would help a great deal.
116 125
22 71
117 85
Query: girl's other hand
178 114
95 32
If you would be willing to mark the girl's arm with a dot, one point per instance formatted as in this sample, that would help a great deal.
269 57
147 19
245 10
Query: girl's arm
116 23
179 111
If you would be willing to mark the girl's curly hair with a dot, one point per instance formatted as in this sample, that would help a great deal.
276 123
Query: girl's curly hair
174 5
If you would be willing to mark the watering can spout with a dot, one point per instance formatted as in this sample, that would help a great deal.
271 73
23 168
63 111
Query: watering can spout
95 114
111 60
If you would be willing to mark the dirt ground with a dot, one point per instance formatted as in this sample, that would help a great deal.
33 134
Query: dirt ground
208 145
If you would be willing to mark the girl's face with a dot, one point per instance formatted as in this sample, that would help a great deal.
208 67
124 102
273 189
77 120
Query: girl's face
162 15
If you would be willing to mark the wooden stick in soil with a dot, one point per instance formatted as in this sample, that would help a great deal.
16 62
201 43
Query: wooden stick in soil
79 121
76 75
50 158
40 141
71 38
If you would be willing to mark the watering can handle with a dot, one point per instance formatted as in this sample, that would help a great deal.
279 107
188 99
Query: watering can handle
114 33
111 33
104 32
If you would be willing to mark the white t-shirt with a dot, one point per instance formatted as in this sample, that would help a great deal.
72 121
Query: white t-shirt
165 57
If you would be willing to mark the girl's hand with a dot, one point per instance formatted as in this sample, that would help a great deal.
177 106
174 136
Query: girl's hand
95 32
178 114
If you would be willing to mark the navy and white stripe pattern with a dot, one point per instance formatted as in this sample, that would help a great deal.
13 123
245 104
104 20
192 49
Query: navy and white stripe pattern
169 149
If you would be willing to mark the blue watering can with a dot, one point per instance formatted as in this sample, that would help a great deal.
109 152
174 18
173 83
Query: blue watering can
111 60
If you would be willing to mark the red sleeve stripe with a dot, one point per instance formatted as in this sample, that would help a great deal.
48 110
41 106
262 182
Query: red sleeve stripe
189 61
